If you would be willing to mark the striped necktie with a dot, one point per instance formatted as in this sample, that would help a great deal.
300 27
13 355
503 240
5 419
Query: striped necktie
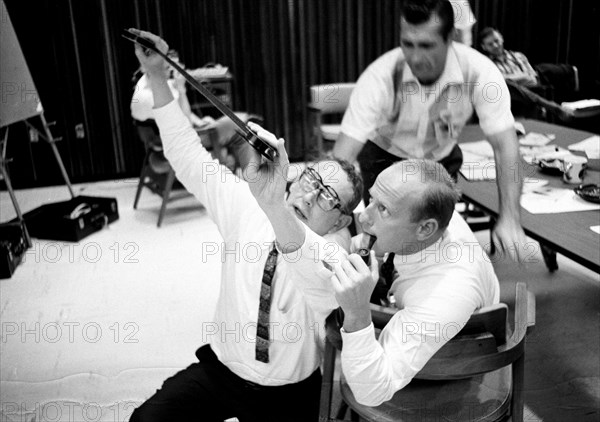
264 306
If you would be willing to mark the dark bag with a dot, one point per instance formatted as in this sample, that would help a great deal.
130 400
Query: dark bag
71 220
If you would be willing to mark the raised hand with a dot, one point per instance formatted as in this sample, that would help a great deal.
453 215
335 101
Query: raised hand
353 283
151 63
267 180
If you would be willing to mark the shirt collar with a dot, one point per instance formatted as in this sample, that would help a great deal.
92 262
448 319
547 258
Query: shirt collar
452 73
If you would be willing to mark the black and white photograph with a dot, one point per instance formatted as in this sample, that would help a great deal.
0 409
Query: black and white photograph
299 210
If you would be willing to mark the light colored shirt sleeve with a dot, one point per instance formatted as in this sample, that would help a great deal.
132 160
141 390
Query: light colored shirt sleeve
492 100
142 100
376 369
227 199
367 102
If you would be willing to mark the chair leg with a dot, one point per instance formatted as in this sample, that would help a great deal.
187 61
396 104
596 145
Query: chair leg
165 195
518 401
140 185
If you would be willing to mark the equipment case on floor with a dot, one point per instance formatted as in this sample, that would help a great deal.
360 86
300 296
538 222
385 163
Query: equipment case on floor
14 242
71 220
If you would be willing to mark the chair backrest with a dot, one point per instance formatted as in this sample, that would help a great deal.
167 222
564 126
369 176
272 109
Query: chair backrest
483 333
331 98
484 344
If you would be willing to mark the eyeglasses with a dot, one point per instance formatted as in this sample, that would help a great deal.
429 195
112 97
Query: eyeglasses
327 199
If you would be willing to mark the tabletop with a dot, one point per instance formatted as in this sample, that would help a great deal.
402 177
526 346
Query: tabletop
566 233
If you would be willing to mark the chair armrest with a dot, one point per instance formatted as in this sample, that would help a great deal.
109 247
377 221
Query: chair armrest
523 310
530 311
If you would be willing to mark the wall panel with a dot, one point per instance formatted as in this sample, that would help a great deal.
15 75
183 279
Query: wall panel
274 48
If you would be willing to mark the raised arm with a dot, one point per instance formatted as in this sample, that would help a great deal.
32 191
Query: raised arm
155 68
267 183
227 199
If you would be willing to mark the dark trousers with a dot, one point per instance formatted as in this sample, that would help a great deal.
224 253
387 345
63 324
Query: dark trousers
373 160
560 77
526 102
209 391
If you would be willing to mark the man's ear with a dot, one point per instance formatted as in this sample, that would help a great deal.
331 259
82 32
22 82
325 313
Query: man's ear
342 222
427 228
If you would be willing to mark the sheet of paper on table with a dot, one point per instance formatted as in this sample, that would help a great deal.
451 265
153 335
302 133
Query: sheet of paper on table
581 104
534 139
533 155
478 161
550 200
595 229
531 184
591 146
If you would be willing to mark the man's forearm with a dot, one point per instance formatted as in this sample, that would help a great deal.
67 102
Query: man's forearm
509 169
347 148
290 232
160 90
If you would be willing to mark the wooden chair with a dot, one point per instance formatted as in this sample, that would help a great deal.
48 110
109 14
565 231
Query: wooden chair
328 99
156 174
220 138
476 376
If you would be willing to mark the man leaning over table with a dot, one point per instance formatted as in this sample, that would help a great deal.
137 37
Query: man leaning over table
413 101
262 376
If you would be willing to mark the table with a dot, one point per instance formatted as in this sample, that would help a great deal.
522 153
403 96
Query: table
566 233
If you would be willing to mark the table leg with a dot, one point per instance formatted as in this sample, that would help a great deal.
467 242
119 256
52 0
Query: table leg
549 256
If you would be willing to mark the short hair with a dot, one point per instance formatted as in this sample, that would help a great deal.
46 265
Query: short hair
417 12
486 32
440 195
355 180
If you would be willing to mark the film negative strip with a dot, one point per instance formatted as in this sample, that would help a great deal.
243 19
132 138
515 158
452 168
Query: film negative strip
249 136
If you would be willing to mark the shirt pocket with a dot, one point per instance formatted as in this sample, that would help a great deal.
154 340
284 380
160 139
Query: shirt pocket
291 325
286 296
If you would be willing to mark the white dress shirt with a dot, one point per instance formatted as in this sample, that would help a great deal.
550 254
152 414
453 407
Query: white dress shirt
392 109
142 100
437 290
302 296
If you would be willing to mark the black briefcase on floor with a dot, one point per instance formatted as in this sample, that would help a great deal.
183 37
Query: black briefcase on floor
71 220
13 244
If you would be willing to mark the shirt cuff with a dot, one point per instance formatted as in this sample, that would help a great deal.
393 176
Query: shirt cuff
357 135
359 343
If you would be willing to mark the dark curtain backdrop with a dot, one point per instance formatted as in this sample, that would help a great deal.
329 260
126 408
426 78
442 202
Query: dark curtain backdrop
275 49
